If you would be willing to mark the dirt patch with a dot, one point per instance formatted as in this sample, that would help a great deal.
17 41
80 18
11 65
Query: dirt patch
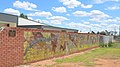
107 62
98 63
69 65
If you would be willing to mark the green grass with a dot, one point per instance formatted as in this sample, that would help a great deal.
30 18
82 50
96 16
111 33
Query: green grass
88 57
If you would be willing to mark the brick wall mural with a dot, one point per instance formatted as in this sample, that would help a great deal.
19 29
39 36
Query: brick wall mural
41 45
22 45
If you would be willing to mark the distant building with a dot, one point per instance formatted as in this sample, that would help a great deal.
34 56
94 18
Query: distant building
16 21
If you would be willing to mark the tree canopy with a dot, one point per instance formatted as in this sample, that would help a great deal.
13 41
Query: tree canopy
23 16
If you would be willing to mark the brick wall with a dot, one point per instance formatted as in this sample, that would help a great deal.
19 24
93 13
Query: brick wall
12 48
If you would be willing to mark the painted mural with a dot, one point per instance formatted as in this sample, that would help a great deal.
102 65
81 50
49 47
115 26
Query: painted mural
41 45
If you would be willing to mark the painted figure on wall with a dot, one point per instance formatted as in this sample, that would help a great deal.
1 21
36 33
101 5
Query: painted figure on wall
72 37
62 40
53 42
34 38
41 45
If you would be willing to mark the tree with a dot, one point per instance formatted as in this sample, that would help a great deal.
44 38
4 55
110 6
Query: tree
106 32
102 33
92 32
111 32
98 32
23 16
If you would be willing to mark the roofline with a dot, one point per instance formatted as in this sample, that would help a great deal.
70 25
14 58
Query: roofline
21 17
49 26
8 14
32 20
62 28
37 22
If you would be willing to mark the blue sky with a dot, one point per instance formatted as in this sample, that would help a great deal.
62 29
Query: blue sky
84 15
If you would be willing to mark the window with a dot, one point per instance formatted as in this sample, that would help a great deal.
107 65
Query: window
12 33
8 25
63 30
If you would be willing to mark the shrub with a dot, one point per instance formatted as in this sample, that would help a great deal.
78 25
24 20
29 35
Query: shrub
110 44
106 45
101 44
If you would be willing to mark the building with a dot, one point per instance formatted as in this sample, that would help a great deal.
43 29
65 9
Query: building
16 21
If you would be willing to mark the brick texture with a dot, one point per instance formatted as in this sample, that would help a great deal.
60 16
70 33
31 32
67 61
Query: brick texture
12 48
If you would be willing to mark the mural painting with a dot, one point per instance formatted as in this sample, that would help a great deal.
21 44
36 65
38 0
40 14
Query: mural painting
41 45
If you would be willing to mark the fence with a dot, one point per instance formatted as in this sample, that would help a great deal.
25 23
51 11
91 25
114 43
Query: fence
22 45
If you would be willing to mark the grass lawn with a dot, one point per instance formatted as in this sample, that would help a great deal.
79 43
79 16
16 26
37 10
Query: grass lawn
89 57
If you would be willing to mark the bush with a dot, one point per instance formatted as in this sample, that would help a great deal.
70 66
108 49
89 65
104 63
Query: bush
101 44
110 44
106 45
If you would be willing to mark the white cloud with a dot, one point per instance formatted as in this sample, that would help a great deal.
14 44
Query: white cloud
57 19
70 3
24 5
98 14
114 20
93 27
53 20
96 25
93 14
106 20
11 11
113 27
68 14
81 13
60 18
59 9
41 14
56 22
113 8
79 26
74 3
103 1
96 19
86 22
86 6
103 24
30 18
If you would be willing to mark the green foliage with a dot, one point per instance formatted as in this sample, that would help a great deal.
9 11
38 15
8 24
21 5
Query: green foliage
92 32
101 44
102 33
106 45
116 45
23 16
110 44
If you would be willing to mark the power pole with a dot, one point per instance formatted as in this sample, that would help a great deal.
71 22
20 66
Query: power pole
115 32
119 30
90 30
